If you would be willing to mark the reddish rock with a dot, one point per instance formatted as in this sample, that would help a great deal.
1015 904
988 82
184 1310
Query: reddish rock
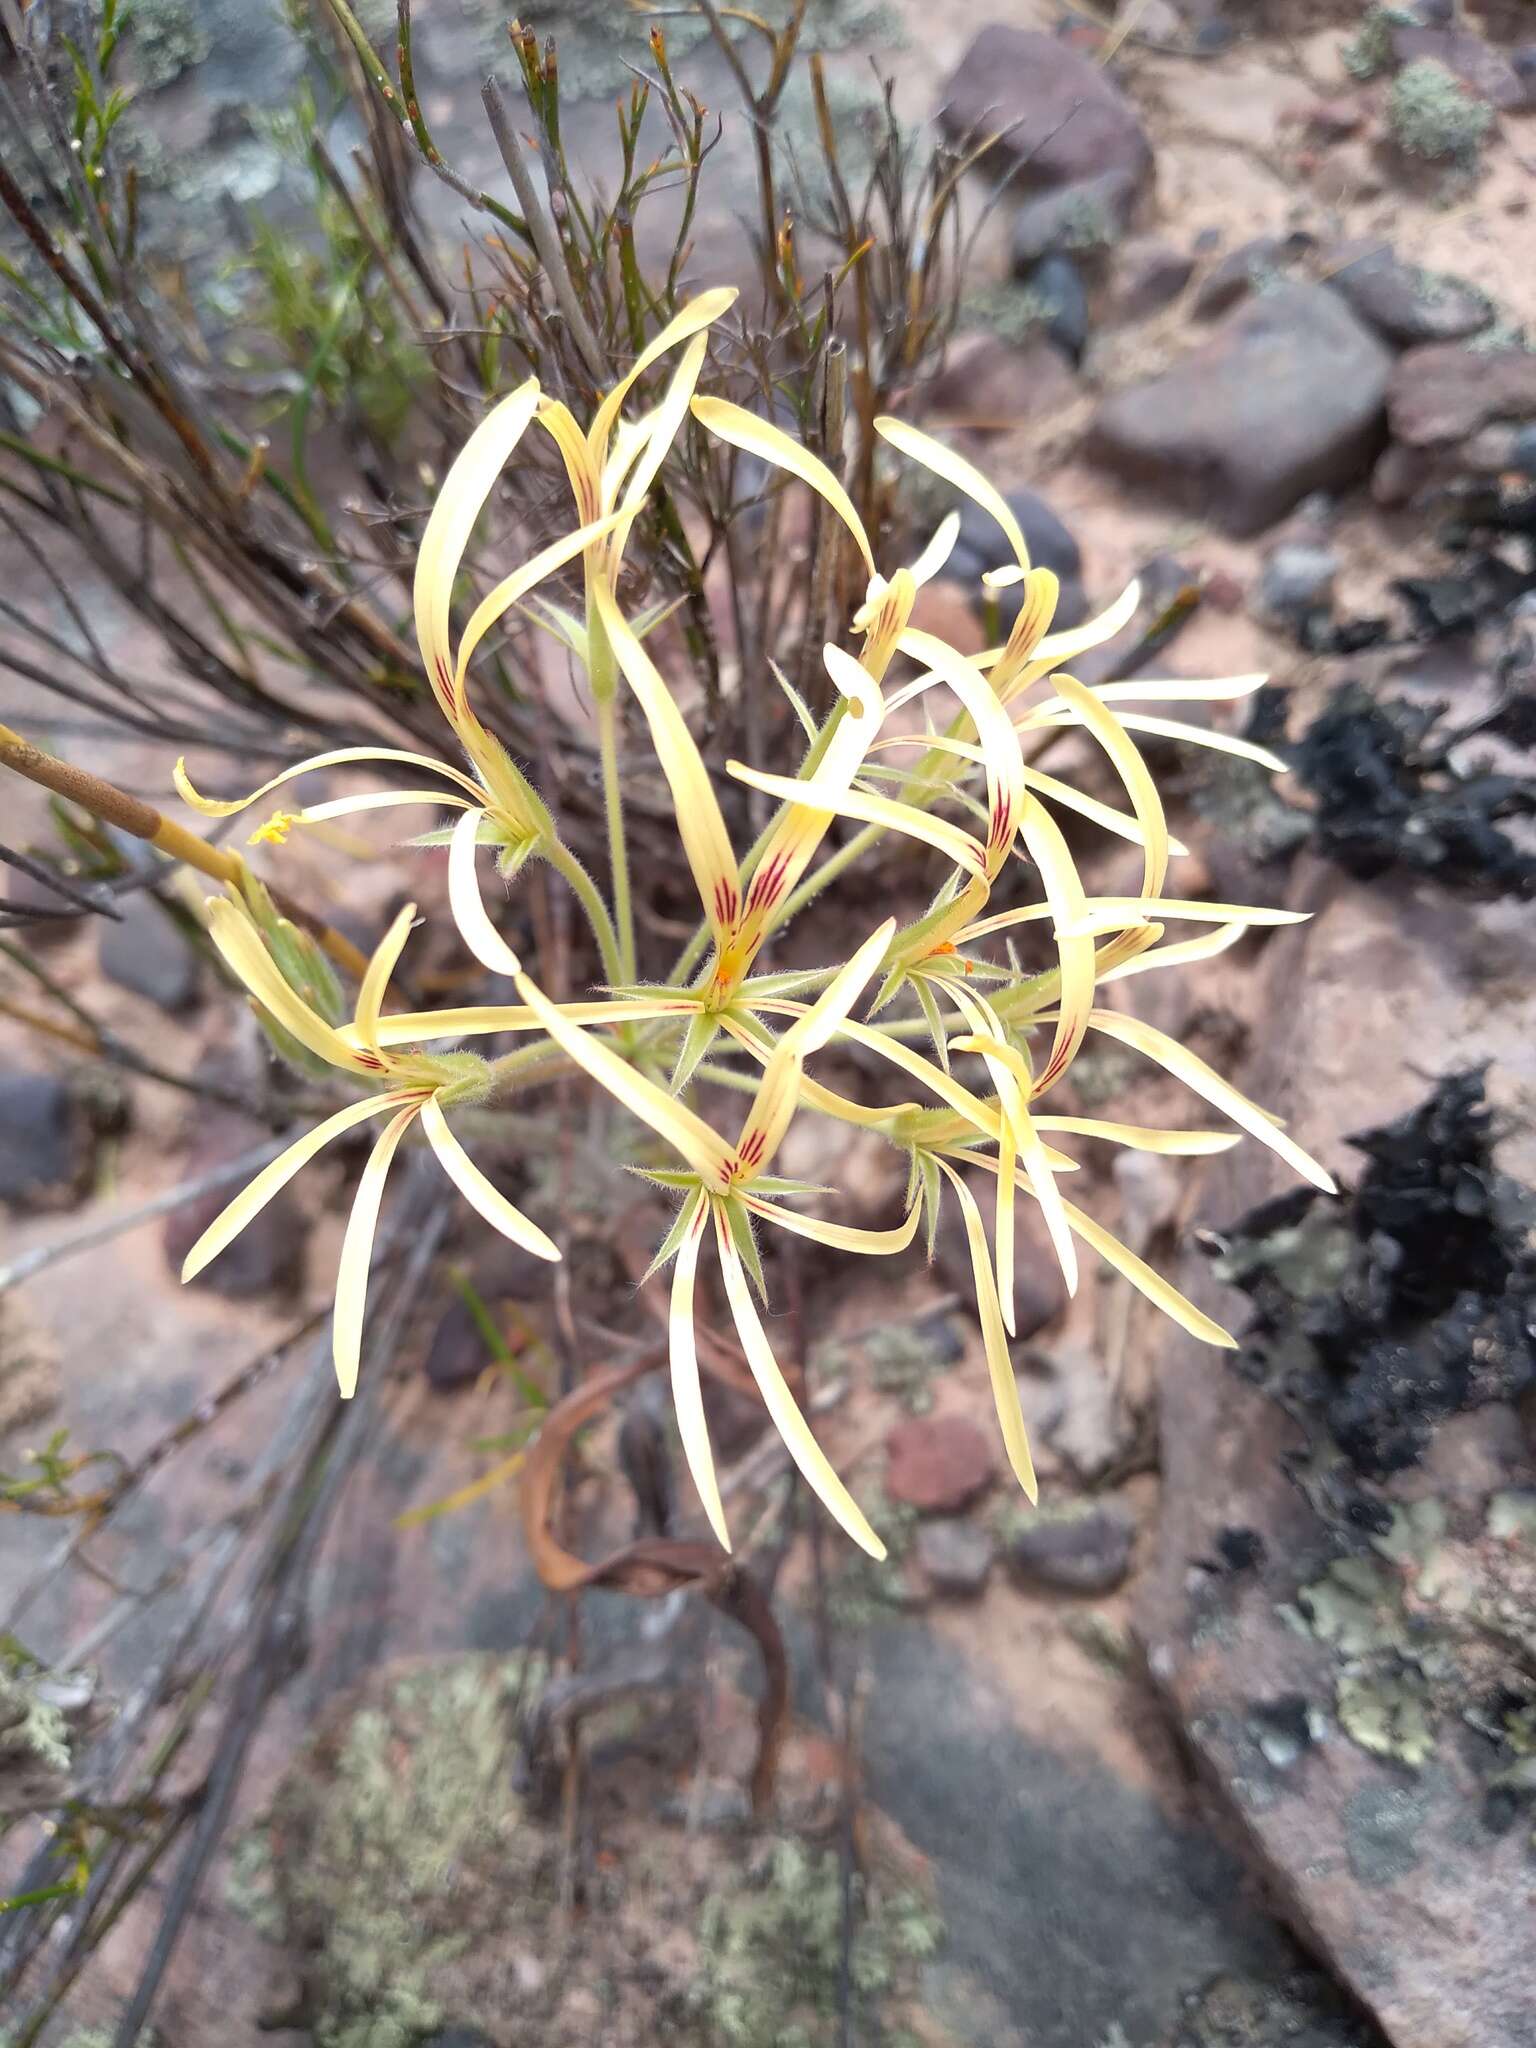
1066 119
989 385
1149 274
937 1463
1446 391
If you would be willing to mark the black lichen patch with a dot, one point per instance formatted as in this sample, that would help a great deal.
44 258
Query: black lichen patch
1412 1299
1393 790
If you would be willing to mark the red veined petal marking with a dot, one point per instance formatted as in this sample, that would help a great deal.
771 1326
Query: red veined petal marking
767 882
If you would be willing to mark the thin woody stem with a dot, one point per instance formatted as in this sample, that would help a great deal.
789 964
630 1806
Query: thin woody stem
140 820
618 852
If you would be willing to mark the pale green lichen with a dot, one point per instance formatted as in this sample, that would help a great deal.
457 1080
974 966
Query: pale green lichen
771 1956
31 1727
1387 1714
1012 312
862 1591
1369 51
168 39
903 1361
1431 115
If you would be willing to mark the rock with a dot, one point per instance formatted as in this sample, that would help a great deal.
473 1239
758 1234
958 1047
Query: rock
1296 581
956 1557
1254 267
991 385
1075 220
1067 121
1090 1429
1084 1547
47 1146
1057 285
1287 397
938 1464
1402 302
457 1353
1149 274
269 1253
1445 391
1522 452
147 953
459 2037
1371 1857
1331 120
980 544
1491 76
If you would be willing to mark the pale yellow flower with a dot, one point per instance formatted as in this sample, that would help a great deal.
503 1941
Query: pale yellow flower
414 1087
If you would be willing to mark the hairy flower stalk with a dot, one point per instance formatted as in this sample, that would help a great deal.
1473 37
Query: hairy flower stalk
1000 1039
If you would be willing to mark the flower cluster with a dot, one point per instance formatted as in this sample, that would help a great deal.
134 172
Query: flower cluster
967 791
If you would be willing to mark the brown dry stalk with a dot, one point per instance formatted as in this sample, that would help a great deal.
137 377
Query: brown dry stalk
131 814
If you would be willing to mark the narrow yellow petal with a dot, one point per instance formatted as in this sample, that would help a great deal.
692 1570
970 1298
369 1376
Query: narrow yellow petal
338 757
664 425
409 1027
938 833
583 474
1203 948
241 948
771 444
687 1395
506 593
1064 891
253 1198
466 487
706 843
384 800
1117 913
1070 799
469 912
370 996
1142 1137
357 1253
1003 762
1019 1125
1150 690
1132 771
1144 1278
814 1464
1005 1388
688 1134
479 1192
821 1021
698 313
1185 1066
842 1237
938 550
1172 729
955 470
1056 648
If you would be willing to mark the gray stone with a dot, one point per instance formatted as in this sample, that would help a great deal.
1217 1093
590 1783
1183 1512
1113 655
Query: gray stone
1522 452
1082 220
1402 302
956 1556
1084 1547
1296 580
1067 120
26 894
1056 284
147 953
1149 274
1489 74
1253 267
47 1147
268 1254
1287 397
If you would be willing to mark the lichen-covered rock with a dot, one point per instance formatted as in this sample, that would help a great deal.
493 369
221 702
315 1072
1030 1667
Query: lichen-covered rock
1066 119
1406 305
1084 220
1359 1690
955 1556
1076 1547
1287 397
